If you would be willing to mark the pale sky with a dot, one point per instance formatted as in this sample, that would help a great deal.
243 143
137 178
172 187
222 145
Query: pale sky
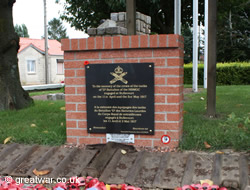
31 13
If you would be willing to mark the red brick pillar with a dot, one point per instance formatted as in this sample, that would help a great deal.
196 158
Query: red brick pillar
165 51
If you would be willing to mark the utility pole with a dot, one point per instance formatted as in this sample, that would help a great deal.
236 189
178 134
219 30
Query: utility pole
195 45
46 43
131 16
212 59
177 17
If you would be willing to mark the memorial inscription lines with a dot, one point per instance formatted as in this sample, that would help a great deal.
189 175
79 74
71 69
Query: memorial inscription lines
121 99
119 91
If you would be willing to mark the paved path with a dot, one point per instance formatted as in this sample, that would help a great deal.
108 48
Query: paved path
40 97
142 169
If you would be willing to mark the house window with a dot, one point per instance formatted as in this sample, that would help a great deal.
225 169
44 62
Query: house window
60 67
31 66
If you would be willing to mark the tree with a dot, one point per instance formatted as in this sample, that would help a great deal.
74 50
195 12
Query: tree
188 43
233 20
12 94
22 30
83 14
233 30
56 30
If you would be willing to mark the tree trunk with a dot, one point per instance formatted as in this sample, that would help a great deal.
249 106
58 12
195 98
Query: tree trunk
12 95
231 27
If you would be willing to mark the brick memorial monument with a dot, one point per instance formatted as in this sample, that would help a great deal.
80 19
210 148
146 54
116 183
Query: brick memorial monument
131 85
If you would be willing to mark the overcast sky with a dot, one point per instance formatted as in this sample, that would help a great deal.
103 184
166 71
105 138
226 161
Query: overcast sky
31 13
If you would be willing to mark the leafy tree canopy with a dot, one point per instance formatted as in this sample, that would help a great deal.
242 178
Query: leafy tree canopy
56 30
22 30
188 44
233 37
83 14
233 20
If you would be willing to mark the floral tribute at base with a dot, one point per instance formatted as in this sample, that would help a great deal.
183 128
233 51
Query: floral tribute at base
89 183
204 185
74 183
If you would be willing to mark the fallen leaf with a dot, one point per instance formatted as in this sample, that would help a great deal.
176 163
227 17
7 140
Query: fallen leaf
240 125
33 125
184 112
219 152
45 131
62 108
62 124
107 187
6 140
123 151
209 182
239 105
40 173
207 145
177 188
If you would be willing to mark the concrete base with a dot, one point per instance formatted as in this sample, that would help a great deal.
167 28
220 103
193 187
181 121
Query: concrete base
59 96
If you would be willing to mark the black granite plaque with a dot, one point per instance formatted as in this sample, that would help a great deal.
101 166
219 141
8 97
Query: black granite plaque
120 98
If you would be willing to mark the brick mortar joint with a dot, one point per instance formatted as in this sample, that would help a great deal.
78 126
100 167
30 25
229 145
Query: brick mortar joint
125 48
96 40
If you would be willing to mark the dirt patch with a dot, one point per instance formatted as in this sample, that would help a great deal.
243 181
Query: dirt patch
40 97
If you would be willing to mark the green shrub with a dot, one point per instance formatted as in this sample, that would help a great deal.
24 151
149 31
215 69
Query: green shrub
226 73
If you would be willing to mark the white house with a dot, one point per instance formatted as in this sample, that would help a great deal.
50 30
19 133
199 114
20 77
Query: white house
31 56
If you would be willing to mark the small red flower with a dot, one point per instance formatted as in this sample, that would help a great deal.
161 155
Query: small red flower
86 62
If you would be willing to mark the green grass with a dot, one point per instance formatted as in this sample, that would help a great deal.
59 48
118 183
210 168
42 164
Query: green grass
37 93
191 86
231 129
43 123
226 64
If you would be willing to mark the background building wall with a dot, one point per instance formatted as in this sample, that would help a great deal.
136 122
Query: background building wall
39 76
31 78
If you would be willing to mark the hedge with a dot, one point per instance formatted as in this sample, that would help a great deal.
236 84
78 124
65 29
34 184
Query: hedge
226 73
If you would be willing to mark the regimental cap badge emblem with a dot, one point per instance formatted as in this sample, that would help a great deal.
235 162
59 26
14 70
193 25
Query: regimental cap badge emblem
118 70
118 74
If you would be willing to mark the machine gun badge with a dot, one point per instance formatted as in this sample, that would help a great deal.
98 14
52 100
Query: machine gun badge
118 74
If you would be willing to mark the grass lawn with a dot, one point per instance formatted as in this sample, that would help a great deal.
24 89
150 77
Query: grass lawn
191 86
231 129
43 123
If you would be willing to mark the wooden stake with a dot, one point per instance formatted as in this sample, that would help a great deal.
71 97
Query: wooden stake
212 59
131 16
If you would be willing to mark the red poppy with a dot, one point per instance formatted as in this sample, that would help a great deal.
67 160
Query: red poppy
86 62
